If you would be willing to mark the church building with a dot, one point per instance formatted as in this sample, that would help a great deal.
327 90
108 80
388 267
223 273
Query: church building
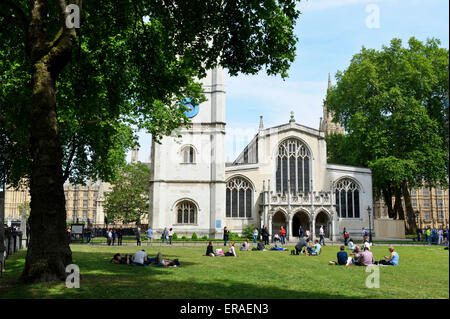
281 178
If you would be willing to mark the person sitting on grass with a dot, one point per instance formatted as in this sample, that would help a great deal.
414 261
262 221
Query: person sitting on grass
276 238
139 258
259 246
316 250
245 246
210 250
342 257
231 252
351 245
367 244
300 248
365 258
118 259
392 260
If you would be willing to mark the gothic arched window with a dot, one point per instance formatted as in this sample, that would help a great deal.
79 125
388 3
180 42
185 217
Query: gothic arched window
347 199
188 155
186 213
293 167
239 198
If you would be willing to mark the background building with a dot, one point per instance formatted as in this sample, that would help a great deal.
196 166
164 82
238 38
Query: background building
431 204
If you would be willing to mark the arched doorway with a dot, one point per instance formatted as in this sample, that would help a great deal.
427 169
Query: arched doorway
300 218
322 219
278 220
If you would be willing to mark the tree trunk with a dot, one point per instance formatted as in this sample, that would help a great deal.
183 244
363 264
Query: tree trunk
398 207
48 252
387 195
410 215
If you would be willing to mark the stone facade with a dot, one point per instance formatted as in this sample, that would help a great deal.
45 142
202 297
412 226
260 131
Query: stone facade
194 191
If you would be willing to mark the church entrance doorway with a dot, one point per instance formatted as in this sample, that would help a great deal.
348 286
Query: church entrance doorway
301 218
278 220
322 219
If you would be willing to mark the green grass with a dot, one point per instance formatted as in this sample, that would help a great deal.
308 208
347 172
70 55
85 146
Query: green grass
423 273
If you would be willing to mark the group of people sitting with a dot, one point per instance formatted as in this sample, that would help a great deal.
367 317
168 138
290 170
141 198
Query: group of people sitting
364 257
307 247
244 247
140 258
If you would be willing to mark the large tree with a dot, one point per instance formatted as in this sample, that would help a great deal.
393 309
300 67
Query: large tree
128 201
69 96
393 104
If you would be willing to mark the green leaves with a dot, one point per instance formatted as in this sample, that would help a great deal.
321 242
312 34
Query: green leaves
129 200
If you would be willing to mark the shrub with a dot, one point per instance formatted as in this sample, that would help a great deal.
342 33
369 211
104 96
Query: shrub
183 238
205 237
248 232
194 236
232 236
175 236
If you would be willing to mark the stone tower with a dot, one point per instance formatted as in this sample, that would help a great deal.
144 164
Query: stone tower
327 125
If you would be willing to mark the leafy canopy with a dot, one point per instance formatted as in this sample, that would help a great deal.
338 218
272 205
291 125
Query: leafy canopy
132 63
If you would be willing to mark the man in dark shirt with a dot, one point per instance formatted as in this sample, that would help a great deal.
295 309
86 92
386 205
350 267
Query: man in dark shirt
342 257
300 245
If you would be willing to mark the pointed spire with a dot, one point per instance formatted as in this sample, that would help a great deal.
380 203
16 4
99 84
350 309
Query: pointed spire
261 123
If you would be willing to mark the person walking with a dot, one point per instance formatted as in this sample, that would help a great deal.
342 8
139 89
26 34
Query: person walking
300 232
114 237
149 235
170 235
428 235
419 234
110 236
165 233
321 236
255 235
440 236
225 235
138 236
282 235
265 235
119 236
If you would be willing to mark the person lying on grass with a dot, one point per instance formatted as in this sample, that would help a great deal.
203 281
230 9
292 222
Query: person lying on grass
119 259
141 259
278 247
342 258
392 260
316 250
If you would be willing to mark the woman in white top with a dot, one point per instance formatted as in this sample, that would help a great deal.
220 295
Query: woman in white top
351 246
231 251
170 235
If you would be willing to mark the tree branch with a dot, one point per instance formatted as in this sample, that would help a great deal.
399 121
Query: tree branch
69 161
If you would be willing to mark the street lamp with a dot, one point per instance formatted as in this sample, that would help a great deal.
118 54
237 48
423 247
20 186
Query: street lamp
369 212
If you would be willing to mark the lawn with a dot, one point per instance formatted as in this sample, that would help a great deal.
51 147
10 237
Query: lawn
423 273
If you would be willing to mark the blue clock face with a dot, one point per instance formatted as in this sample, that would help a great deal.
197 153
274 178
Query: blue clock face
192 106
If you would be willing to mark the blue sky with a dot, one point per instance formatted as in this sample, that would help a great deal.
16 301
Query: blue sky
330 32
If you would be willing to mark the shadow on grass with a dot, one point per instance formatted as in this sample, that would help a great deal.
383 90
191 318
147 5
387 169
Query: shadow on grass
103 280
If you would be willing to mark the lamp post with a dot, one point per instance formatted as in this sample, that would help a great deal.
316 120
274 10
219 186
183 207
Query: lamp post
369 212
